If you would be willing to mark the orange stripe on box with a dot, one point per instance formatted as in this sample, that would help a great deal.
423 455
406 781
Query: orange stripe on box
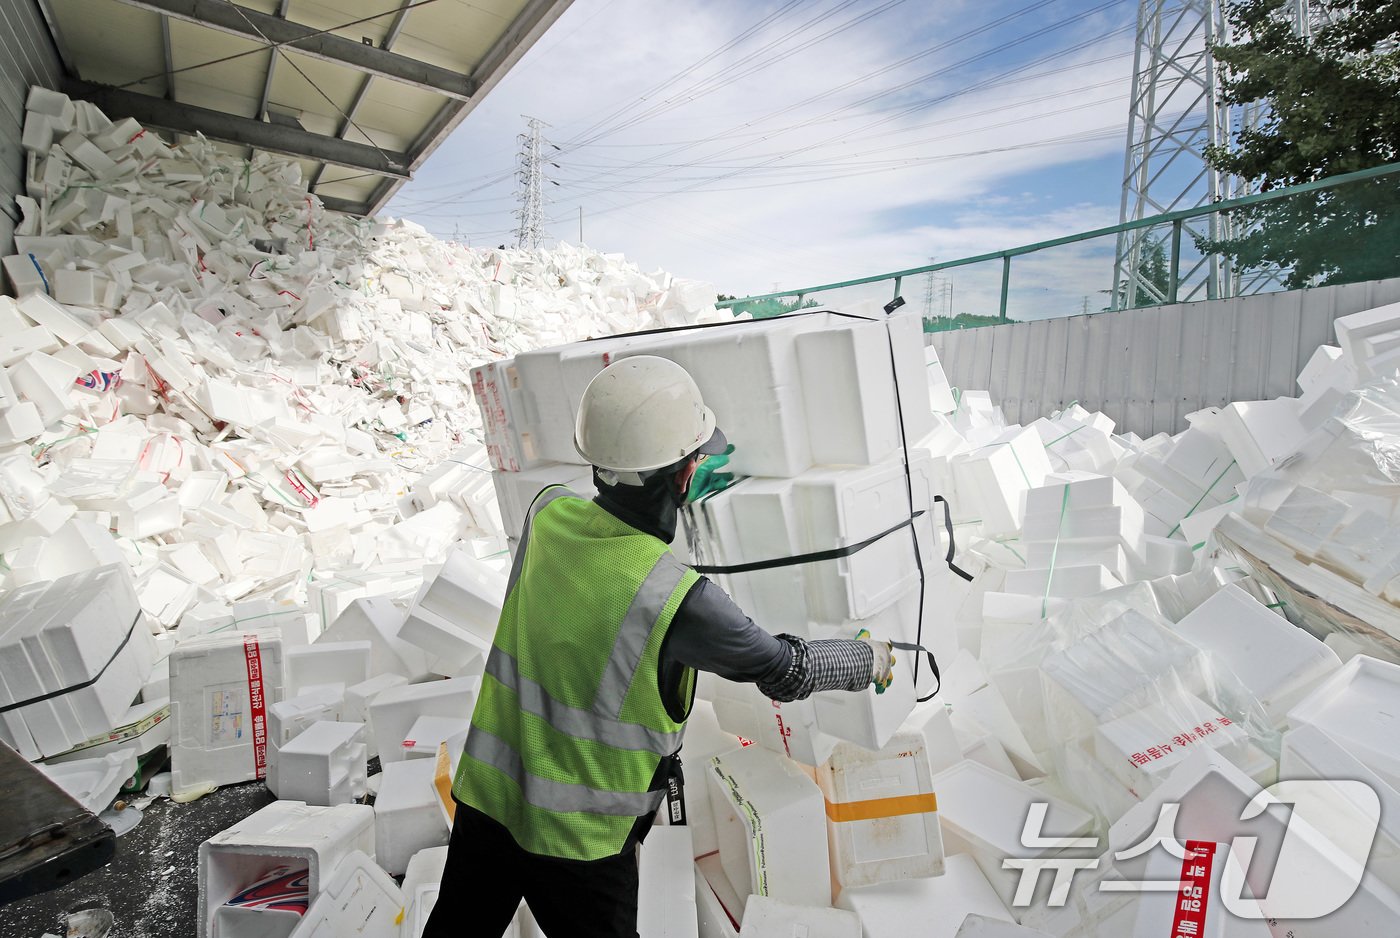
881 807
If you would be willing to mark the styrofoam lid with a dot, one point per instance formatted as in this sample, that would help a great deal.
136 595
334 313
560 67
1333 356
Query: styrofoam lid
359 899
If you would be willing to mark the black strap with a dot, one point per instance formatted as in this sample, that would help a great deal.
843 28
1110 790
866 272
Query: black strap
932 665
88 683
834 554
952 547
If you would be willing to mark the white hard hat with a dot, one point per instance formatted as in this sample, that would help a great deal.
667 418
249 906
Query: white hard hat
643 413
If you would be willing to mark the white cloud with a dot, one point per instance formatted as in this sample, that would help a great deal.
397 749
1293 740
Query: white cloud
887 189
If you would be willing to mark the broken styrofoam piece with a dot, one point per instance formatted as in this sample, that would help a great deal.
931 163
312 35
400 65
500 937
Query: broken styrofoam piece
768 817
376 620
421 884
93 783
311 840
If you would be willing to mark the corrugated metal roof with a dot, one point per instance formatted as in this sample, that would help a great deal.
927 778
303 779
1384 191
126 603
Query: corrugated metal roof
362 91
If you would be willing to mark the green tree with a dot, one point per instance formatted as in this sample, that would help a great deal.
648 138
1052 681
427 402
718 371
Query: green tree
1333 106
1154 279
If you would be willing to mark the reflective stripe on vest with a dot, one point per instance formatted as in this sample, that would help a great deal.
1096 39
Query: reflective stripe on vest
573 721
557 796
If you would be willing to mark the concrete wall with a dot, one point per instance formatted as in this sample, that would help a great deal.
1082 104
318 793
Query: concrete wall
1149 368
27 57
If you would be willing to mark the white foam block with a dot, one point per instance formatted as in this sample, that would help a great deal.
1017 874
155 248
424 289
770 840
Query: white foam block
666 890
1353 707
873 839
1278 662
394 711
406 814
768 818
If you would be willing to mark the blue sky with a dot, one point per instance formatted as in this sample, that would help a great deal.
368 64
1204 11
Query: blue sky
752 144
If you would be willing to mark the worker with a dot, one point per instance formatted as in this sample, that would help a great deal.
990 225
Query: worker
577 728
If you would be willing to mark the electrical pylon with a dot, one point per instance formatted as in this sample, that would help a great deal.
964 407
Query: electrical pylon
1174 113
530 187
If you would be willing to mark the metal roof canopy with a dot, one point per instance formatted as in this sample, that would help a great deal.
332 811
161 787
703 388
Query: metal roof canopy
360 91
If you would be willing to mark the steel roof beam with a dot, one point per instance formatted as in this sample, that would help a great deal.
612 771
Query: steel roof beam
242 131
266 27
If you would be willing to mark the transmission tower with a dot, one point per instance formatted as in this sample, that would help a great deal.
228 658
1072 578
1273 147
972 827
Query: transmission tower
1174 114
530 188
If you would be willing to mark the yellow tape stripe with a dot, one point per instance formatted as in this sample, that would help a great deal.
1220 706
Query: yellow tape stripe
881 807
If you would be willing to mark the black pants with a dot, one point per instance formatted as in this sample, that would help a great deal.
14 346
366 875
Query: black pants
487 875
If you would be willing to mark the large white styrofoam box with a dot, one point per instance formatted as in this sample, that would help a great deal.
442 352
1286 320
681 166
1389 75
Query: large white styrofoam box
323 663
287 719
468 593
1115 670
983 813
882 812
323 765
454 618
1277 661
770 918
666 888
220 689
1354 707
747 373
1140 748
375 619
761 384
998 476
283 834
394 711
768 818
406 814
850 372
1197 906
86 628
938 904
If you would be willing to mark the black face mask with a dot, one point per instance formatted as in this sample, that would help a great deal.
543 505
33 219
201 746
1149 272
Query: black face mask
650 507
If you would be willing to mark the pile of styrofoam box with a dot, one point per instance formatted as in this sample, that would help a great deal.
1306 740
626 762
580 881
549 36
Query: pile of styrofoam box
1107 649
249 417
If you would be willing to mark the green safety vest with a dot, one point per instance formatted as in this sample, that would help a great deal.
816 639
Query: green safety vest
570 727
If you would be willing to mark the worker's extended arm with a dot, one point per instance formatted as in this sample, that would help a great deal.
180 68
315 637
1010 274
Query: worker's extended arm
711 633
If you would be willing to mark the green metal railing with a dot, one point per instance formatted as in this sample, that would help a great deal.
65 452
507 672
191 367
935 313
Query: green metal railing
1176 220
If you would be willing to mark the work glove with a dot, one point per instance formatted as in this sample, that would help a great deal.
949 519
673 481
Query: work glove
882 670
708 478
